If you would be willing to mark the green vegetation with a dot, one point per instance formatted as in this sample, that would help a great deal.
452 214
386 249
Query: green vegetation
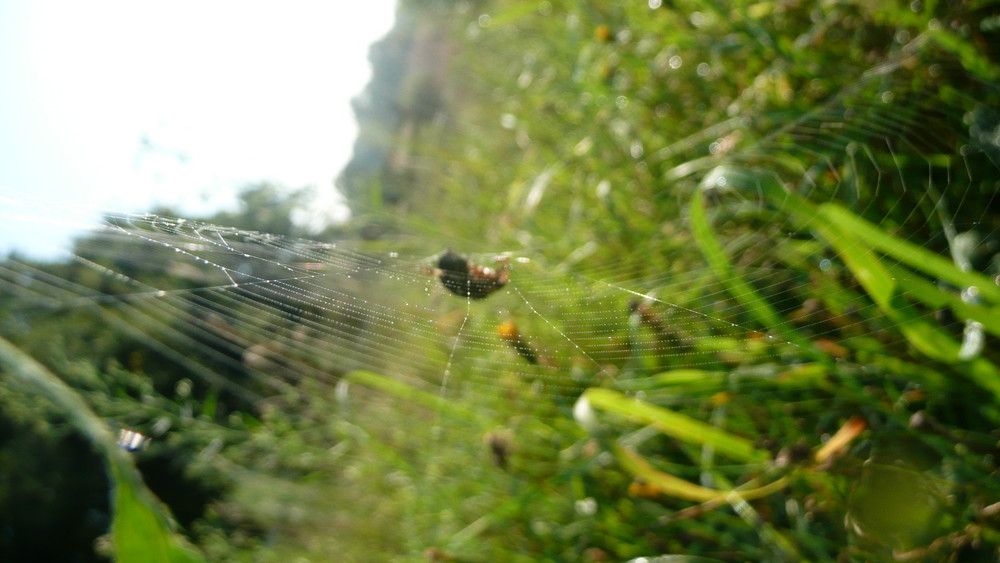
757 319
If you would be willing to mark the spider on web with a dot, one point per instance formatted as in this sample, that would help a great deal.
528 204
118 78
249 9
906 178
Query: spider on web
466 279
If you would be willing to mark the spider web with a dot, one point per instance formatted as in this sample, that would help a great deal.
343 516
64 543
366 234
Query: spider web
273 320
277 310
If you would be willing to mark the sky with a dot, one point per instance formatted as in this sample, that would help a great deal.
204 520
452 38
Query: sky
122 105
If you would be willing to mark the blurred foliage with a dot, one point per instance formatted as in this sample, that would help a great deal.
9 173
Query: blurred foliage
797 198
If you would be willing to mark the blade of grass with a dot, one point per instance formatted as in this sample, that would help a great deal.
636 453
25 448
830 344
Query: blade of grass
908 253
684 380
675 424
853 239
883 289
141 528
139 531
966 52
698 380
739 288
673 559
410 393
932 295
677 487
719 262
830 215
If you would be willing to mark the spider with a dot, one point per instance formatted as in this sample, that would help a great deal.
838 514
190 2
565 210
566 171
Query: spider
466 279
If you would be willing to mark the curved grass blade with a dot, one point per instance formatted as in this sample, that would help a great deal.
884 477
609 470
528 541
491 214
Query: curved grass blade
139 531
677 487
141 528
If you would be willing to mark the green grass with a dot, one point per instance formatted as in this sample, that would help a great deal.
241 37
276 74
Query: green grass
822 202
777 188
